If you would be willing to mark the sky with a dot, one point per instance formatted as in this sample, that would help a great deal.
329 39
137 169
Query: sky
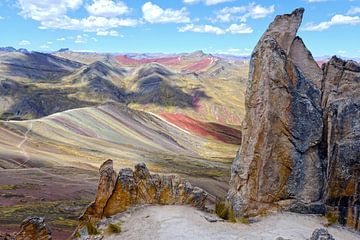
174 26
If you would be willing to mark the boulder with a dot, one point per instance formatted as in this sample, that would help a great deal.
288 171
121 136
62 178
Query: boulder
33 228
321 234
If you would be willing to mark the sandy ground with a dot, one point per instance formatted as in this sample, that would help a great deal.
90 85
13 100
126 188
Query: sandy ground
182 222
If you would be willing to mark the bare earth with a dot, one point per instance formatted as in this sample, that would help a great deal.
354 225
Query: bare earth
182 222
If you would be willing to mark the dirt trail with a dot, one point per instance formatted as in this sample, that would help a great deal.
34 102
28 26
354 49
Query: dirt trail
20 146
182 222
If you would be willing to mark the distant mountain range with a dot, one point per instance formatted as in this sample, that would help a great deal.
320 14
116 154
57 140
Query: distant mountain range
199 85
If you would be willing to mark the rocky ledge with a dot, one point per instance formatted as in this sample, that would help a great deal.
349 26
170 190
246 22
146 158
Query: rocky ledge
117 193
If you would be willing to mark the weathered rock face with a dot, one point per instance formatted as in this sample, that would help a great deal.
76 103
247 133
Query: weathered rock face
321 234
140 187
341 104
105 189
282 128
301 133
33 228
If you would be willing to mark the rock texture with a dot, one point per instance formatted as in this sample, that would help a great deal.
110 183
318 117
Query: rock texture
282 128
321 234
300 148
341 104
33 228
134 187
105 188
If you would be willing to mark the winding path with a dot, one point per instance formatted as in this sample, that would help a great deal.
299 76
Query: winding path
20 145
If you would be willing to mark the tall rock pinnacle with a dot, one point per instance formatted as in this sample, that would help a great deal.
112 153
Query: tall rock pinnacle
301 144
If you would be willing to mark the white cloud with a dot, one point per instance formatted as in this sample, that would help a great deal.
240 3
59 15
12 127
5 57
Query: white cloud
233 29
112 33
79 39
155 14
24 43
89 24
107 8
61 39
236 51
239 28
353 10
1 18
201 29
312 1
207 2
52 14
44 46
49 42
41 10
244 12
335 20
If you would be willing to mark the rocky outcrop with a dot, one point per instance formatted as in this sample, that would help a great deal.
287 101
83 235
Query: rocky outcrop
136 187
33 228
282 128
341 104
301 132
321 234
105 189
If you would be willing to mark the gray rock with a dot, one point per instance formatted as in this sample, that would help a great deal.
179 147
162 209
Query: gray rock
321 234
283 125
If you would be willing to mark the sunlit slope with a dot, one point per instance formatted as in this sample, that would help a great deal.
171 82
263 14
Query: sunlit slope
87 136
202 86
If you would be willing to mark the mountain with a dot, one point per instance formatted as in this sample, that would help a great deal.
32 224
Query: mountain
34 85
53 160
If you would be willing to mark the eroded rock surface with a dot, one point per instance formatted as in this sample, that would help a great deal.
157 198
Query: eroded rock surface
341 104
105 189
282 128
301 132
33 228
138 186
321 234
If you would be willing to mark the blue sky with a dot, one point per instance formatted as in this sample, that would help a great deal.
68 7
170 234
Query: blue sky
172 26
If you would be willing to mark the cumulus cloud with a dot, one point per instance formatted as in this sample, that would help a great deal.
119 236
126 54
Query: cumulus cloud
24 43
244 12
155 14
353 10
233 29
201 29
41 10
61 39
206 2
335 20
52 14
107 8
239 28
236 51
112 33
80 38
